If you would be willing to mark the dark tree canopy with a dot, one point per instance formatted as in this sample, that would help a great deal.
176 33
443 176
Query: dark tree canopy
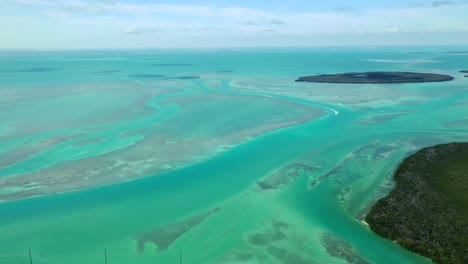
427 212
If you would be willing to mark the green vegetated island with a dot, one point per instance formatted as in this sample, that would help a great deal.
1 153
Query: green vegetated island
427 212
377 77
464 71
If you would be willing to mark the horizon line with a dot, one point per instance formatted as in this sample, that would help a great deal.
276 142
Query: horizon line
232 47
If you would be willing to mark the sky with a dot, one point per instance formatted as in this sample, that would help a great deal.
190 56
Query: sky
90 24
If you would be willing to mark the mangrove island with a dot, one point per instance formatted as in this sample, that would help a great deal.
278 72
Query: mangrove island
376 77
427 211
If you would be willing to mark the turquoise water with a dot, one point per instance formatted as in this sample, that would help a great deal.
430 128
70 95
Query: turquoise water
219 155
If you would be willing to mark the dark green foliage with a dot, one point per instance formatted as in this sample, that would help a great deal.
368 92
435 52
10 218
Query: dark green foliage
427 212
377 77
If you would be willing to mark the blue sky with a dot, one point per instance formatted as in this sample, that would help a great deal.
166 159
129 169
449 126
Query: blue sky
76 24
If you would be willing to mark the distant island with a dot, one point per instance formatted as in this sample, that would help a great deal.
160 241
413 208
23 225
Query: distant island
376 77
427 212
464 71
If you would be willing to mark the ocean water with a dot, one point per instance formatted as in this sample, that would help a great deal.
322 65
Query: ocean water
215 156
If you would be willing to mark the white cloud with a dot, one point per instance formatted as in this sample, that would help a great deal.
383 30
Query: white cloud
248 23
391 29
142 30
277 22
343 8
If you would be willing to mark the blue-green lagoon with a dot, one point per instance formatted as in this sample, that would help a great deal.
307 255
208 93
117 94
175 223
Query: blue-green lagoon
215 155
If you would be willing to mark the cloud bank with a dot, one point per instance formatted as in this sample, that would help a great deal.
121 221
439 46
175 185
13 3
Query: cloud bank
107 23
